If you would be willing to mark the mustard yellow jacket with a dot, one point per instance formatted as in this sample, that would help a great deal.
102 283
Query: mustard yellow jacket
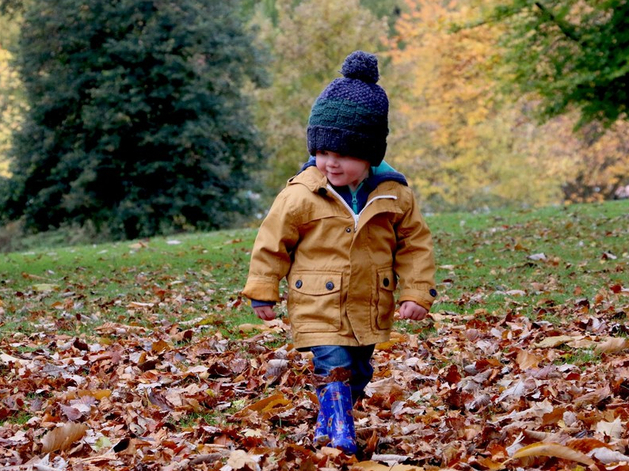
342 269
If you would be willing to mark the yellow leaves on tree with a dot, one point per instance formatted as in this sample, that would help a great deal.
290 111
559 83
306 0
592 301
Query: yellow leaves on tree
462 143
10 107
11 103
444 134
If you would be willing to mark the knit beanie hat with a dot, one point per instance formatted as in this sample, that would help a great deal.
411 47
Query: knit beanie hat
350 117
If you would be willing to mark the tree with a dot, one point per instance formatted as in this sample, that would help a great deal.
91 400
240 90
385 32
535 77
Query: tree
137 120
12 7
573 53
11 100
460 142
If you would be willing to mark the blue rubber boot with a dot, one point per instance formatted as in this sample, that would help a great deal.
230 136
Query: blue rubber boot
335 417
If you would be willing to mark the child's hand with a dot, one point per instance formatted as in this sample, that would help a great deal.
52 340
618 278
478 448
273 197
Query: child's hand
412 311
266 313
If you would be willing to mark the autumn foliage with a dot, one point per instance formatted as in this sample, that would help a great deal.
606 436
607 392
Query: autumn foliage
144 356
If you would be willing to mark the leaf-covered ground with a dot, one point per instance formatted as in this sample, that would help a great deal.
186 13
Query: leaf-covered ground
142 356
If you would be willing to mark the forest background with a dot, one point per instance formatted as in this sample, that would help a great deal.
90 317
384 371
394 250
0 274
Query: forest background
494 104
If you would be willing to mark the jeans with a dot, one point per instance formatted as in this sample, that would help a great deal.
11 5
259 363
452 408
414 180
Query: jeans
355 359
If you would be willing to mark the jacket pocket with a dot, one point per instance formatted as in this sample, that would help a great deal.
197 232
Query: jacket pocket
314 301
386 282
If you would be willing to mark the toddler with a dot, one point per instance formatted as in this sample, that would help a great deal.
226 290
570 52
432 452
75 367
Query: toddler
346 233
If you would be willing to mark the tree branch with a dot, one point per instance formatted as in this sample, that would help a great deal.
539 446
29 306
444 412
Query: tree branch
565 28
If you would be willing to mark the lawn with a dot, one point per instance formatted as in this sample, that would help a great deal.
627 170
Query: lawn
143 355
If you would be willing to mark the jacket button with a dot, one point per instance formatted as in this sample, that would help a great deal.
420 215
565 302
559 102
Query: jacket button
348 230
298 284
385 282
329 286
433 292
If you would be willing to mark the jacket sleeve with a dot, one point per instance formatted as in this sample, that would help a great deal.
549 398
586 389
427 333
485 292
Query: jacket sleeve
414 259
271 254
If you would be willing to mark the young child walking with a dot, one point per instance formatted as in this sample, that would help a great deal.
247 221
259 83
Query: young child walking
346 233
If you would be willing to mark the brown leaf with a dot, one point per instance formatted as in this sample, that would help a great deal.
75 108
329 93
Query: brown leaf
553 450
62 438
72 413
452 376
160 401
552 342
527 360
593 397
374 466
617 288
613 429
612 345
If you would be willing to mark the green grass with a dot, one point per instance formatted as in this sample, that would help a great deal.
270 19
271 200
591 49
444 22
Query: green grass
75 288
493 261
489 264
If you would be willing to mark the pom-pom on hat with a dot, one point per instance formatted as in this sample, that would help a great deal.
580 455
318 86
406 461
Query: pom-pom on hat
350 117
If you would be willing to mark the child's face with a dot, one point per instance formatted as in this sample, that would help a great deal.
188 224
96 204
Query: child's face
342 170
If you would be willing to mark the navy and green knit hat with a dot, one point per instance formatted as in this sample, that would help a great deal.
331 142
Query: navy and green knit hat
350 116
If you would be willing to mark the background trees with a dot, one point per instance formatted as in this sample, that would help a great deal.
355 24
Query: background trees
137 121
572 57
146 116
573 54
463 144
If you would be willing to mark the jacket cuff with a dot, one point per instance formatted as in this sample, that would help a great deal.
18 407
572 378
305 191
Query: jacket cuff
262 289
425 298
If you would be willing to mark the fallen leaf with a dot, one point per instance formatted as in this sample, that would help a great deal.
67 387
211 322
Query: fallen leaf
611 429
239 459
62 438
133 304
537 256
527 360
607 456
6 359
267 404
72 413
553 450
159 346
519 389
552 342
374 466
45 287
612 345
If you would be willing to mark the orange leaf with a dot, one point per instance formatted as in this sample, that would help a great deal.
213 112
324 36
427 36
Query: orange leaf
490 464
159 346
267 404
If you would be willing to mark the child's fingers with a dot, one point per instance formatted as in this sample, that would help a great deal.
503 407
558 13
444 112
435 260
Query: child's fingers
267 314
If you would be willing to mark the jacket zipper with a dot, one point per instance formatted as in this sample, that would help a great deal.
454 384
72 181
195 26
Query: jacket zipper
351 211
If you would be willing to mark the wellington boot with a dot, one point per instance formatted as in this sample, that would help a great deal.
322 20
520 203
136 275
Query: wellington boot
336 422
